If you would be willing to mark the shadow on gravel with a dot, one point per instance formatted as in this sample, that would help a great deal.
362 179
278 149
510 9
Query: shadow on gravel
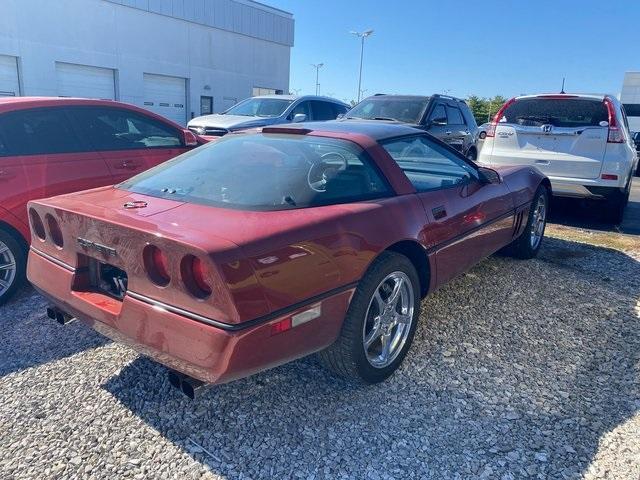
28 338
518 369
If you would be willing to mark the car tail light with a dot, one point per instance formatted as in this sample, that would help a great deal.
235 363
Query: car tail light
615 134
54 230
281 326
155 262
196 276
37 225
609 176
491 129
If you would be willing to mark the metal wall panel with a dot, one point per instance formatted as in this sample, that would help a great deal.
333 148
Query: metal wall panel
253 20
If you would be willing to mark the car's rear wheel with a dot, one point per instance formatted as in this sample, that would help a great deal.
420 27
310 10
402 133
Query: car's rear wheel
483 135
380 324
13 262
528 243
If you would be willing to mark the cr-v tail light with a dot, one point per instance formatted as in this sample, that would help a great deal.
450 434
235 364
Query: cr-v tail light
156 265
196 276
54 230
615 134
491 128
36 225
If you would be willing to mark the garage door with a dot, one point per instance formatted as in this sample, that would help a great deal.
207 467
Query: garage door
85 81
166 96
9 86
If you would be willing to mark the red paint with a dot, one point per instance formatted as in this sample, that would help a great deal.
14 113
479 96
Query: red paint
260 264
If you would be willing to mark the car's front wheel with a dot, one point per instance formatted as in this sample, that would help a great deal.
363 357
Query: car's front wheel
13 262
380 323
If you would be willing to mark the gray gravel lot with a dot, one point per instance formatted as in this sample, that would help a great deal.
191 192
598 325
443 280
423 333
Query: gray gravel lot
518 370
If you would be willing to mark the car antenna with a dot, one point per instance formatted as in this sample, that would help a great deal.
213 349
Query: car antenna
562 89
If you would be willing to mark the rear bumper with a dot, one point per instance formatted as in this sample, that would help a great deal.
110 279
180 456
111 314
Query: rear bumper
202 351
584 188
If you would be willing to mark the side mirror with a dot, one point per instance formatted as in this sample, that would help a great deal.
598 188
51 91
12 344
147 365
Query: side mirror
299 117
340 115
189 138
489 176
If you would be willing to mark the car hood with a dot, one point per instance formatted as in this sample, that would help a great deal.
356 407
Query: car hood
230 121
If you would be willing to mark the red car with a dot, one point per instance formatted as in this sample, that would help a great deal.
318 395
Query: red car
50 146
265 247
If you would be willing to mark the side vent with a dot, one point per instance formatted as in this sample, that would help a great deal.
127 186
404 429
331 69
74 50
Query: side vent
517 223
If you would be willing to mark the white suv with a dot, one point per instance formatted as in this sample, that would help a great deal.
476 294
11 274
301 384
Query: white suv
581 142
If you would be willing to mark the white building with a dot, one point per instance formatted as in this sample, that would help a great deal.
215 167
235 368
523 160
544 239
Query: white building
178 58
630 98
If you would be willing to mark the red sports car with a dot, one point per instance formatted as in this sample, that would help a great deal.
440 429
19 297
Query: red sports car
268 246
51 146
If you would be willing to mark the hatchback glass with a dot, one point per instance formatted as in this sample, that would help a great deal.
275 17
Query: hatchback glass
260 107
570 112
407 110
265 172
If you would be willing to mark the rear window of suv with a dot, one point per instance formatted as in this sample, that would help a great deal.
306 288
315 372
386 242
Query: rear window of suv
559 112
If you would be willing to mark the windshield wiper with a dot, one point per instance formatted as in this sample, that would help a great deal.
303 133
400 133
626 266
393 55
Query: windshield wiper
388 119
354 118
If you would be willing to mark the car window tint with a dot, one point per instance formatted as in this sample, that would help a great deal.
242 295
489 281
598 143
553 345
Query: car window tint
322 111
570 112
118 129
439 115
302 107
266 172
36 132
454 116
428 165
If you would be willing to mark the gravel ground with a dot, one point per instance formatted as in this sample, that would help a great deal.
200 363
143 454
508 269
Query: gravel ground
518 370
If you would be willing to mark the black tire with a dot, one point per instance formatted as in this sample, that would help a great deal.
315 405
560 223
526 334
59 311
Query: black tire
483 135
522 246
19 253
472 154
614 209
347 356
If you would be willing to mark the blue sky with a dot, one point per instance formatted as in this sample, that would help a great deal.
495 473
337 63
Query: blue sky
484 47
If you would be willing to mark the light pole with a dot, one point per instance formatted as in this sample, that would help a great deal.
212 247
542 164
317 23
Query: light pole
362 36
317 66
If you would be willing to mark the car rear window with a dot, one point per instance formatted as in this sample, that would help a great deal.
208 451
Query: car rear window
266 172
569 112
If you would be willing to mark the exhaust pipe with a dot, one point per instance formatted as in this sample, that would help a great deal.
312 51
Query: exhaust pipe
190 387
59 316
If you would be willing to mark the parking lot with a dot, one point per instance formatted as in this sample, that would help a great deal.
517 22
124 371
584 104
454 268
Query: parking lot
500 384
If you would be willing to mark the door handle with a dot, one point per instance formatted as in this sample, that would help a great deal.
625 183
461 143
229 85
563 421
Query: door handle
448 132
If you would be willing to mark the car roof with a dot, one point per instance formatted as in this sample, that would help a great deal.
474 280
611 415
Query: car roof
591 96
383 96
373 129
301 97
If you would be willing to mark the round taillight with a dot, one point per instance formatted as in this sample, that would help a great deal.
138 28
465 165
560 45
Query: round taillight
36 225
155 262
196 276
54 230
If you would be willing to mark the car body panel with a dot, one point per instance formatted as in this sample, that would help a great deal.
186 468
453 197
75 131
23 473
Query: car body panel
264 266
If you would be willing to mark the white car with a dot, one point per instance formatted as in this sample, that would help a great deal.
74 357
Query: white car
581 142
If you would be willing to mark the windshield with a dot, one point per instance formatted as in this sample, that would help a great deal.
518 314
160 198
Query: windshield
406 110
260 107
265 172
570 112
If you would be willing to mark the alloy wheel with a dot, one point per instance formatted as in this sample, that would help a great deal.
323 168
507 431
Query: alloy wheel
538 221
388 319
8 268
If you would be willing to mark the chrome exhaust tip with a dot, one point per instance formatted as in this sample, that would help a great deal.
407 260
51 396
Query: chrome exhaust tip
59 316
192 387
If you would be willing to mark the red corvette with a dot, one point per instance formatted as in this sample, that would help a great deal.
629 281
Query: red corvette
265 247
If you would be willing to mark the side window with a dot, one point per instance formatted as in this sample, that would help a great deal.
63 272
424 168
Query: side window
438 115
428 165
37 132
117 129
454 116
302 107
322 111
338 109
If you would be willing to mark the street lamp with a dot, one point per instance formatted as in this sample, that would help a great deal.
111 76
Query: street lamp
362 36
317 66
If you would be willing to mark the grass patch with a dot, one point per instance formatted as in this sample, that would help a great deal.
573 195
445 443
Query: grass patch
618 241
